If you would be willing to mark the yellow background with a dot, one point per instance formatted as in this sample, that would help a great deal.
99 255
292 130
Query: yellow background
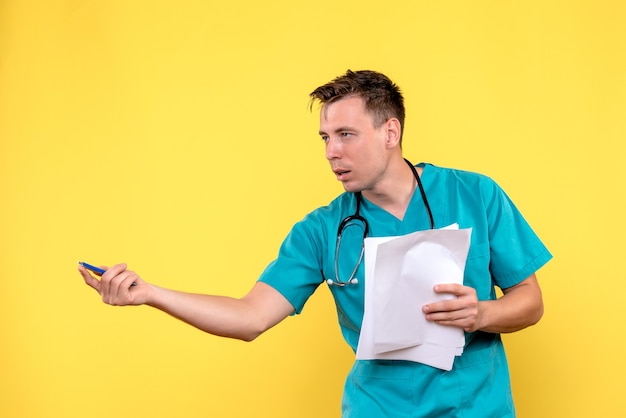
175 136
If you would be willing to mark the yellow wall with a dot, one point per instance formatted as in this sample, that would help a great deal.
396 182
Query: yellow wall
175 136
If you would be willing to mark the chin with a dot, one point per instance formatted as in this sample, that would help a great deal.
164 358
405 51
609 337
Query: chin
350 188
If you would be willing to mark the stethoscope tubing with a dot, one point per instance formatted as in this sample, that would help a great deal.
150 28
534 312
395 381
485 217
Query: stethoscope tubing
357 216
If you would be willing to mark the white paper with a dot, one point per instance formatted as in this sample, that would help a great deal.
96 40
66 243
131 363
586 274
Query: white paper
400 273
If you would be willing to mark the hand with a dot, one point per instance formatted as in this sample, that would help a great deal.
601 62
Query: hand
117 286
464 311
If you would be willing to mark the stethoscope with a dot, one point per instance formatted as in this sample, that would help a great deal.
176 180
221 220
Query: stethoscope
358 218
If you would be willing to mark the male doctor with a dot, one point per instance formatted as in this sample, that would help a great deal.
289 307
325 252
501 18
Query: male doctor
361 126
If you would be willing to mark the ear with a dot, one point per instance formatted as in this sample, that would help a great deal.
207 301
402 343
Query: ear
394 132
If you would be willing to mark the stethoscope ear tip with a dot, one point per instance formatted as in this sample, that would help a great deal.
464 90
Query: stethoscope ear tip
330 282
354 281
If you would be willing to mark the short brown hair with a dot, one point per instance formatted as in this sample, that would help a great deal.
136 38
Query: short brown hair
383 98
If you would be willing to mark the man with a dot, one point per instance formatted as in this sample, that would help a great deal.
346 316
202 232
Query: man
361 124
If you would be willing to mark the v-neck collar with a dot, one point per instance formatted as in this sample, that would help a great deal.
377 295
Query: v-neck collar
416 199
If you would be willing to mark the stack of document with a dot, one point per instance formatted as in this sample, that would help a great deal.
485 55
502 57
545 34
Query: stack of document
400 273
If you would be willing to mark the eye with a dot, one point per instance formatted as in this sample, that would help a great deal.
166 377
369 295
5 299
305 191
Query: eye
324 138
346 134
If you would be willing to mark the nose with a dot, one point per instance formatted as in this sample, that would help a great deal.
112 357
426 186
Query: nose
333 149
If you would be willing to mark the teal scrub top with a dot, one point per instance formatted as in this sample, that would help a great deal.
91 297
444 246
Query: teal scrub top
503 251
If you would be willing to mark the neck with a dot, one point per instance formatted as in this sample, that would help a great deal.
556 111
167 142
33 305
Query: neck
395 193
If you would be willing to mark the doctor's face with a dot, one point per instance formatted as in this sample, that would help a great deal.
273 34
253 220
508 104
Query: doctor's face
355 148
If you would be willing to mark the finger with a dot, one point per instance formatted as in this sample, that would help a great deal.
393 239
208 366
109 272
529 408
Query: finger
448 305
451 288
121 285
464 317
455 319
107 278
90 280
464 323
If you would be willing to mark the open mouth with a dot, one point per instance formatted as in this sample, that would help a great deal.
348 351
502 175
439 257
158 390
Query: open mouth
341 174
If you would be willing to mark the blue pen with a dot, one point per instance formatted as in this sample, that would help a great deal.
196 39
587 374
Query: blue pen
96 270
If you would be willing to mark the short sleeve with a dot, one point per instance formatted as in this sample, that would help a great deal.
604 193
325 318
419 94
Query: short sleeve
516 251
297 271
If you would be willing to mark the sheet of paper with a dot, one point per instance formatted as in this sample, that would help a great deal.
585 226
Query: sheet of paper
400 273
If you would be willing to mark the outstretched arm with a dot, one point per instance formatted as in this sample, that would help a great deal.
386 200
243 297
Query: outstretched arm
519 307
242 318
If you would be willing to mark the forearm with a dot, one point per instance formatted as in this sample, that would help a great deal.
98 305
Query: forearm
520 306
218 315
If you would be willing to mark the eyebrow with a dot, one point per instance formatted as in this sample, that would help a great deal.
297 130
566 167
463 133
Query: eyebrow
339 129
